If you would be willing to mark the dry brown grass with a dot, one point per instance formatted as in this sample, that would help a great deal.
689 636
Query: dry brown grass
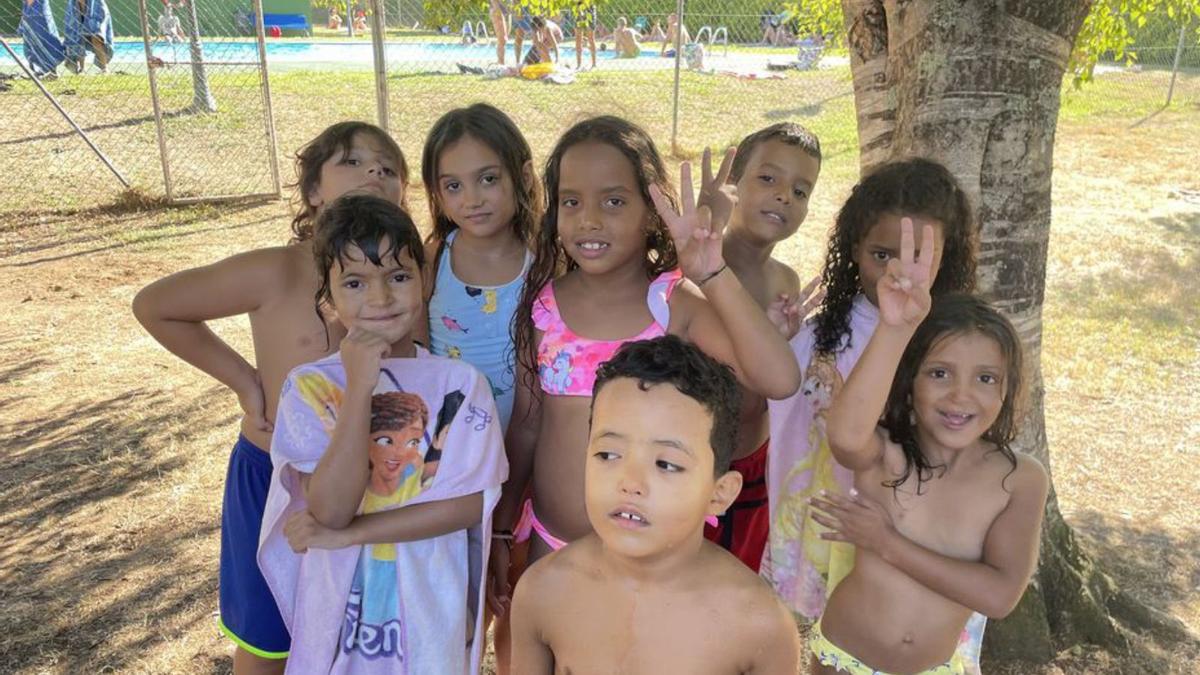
112 452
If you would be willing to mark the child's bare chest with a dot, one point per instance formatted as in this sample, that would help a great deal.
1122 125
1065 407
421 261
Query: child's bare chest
290 327
951 515
645 636
764 283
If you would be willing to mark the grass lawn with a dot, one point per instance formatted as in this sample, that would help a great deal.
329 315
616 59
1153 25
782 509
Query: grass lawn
113 452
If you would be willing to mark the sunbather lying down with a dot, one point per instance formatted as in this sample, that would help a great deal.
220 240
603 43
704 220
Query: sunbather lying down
549 72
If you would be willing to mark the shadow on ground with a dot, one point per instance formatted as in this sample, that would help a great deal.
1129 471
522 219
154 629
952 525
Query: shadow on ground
110 227
1149 286
91 581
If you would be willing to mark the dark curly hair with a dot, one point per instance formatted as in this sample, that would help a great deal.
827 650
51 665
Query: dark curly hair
550 259
363 221
491 127
784 132
918 187
952 315
668 359
338 138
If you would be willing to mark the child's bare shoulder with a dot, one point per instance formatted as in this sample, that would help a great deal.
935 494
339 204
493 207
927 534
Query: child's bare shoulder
566 565
274 265
730 577
557 576
762 617
243 282
783 278
1029 474
1027 469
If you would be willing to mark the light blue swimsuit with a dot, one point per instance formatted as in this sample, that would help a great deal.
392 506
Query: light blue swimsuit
472 323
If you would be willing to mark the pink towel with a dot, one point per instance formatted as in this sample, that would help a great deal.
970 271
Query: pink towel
799 564
432 599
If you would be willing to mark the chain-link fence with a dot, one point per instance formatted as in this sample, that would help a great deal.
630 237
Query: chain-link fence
1153 78
405 62
88 104
618 57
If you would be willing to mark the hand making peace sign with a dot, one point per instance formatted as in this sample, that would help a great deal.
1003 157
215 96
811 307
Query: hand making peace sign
717 193
903 291
696 235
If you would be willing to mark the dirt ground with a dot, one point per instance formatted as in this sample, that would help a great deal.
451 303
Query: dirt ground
113 452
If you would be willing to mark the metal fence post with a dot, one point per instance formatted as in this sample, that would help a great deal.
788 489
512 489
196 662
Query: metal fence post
678 58
260 35
152 76
1178 55
57 106
378 33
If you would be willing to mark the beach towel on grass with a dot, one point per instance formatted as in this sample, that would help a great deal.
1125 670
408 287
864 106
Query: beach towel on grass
410 608
43 47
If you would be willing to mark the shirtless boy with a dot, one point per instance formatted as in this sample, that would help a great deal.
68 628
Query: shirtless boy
774 170
645 593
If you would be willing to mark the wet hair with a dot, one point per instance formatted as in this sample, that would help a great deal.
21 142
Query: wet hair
337 138
784 132
362 221
550 259
670 360
918 187
953 315
538 22
491 127
396 410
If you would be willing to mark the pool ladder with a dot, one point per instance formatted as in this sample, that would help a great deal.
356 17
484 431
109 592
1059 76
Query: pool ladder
718 35
479 31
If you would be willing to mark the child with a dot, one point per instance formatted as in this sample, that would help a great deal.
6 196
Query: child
392 564
645 592
946 518
484 204
774 171
801 565
275 287
621 283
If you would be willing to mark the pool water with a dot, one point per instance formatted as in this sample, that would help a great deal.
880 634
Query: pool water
334 52
421 56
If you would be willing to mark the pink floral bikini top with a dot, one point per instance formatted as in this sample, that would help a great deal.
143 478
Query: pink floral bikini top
567 362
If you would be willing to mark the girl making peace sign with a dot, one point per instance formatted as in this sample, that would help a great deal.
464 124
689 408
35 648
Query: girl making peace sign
944 515
615 261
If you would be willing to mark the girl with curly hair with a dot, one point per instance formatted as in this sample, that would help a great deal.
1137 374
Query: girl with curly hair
801 565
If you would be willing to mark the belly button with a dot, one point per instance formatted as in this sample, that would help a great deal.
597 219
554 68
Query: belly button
907 639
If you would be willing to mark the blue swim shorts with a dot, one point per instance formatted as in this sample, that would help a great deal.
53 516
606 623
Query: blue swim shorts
249 615
523 22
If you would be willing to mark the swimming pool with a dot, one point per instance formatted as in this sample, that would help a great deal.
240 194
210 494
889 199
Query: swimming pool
401 56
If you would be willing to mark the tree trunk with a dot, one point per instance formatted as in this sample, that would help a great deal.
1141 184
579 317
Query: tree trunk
975 84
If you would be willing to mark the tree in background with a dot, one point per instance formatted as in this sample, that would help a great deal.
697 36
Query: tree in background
976 84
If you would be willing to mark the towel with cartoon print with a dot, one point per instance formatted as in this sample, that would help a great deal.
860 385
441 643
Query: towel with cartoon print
802 567
414 607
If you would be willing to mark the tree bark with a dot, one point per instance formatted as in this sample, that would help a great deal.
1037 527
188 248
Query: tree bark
975 84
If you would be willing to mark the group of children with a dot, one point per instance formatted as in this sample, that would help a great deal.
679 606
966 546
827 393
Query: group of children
536 416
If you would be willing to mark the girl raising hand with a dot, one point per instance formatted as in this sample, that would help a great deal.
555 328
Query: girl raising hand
944 515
